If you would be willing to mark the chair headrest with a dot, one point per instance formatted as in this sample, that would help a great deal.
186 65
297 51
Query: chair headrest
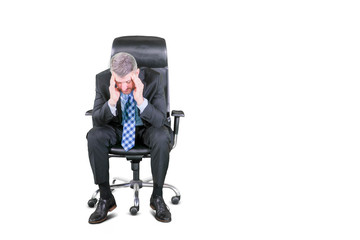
148 51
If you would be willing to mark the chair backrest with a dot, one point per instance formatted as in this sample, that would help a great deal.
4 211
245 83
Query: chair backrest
149 52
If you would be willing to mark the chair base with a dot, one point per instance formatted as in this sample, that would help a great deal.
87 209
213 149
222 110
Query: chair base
136 185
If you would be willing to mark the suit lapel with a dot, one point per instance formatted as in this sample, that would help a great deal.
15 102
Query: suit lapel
118 108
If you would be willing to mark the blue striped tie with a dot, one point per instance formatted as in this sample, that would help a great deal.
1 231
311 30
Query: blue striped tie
128 135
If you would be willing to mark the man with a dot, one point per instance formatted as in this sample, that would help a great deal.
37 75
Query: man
116 91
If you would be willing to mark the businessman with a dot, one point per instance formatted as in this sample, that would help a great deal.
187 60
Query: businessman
129 107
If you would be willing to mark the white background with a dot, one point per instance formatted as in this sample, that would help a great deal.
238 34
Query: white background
269 147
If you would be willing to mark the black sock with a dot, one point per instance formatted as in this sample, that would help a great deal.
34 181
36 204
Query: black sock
157 191
105 191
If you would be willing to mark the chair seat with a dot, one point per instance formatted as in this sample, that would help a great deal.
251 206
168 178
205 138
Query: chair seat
138 149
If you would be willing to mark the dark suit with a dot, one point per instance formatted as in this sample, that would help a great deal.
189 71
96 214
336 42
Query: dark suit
107 129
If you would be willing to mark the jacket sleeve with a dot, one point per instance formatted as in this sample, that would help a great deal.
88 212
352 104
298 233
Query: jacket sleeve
101 112
155 112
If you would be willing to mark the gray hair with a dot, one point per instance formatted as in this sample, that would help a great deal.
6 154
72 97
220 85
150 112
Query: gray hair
122 64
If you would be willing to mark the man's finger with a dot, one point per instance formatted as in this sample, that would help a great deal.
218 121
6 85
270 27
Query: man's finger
112 81
133 78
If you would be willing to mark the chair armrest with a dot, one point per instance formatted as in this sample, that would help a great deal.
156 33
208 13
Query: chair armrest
177 114
88 113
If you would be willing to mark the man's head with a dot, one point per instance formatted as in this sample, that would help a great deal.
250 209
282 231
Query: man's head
123 66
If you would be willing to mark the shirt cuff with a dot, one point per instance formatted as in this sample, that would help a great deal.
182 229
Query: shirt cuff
143 105
112 109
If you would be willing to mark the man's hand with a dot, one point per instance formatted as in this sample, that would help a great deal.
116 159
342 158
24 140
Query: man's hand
138 90
114 93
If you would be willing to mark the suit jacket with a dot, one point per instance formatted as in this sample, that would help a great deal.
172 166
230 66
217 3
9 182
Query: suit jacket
155 114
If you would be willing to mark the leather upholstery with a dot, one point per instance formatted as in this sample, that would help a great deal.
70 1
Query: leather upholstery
148 51
136 150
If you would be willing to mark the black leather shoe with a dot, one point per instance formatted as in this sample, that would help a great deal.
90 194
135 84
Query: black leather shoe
103 207
162 212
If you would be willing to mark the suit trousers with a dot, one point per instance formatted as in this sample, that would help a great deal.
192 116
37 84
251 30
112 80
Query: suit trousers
101 139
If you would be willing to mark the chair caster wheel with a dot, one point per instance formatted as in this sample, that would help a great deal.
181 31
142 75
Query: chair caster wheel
92 202
175 199
134 210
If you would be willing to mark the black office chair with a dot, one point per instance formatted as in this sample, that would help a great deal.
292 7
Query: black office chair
148 52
